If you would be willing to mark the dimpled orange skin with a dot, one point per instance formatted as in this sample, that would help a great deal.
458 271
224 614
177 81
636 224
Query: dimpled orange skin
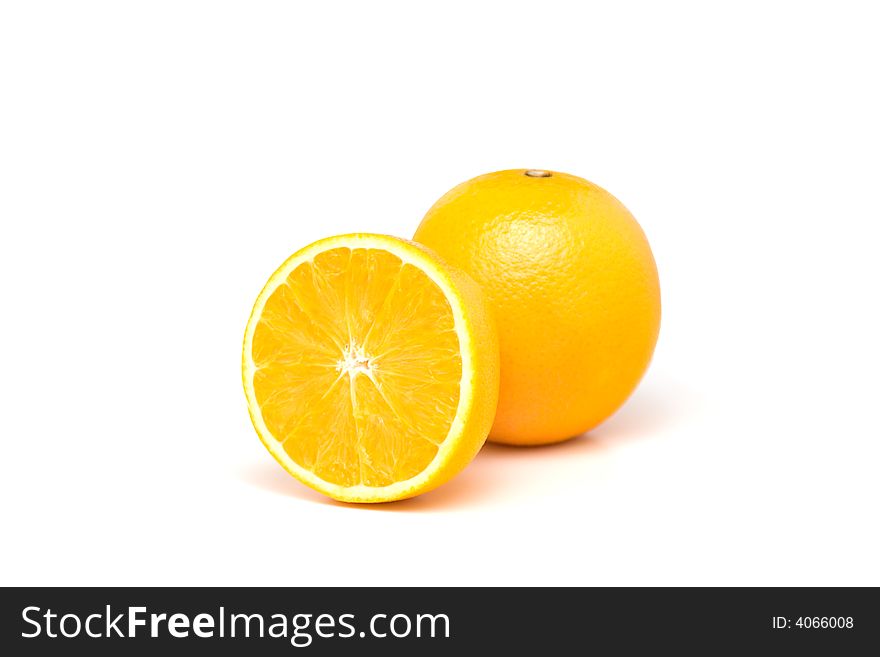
573 285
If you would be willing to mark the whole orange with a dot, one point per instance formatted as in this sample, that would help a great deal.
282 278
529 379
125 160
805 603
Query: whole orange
572 281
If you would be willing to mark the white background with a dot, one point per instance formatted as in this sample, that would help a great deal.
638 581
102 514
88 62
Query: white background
158 161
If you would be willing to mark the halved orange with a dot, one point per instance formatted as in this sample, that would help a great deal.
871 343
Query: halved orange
370 368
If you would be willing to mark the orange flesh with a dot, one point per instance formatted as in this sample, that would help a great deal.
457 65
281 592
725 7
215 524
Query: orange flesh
358 367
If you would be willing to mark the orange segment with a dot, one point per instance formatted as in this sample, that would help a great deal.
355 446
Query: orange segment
360 369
